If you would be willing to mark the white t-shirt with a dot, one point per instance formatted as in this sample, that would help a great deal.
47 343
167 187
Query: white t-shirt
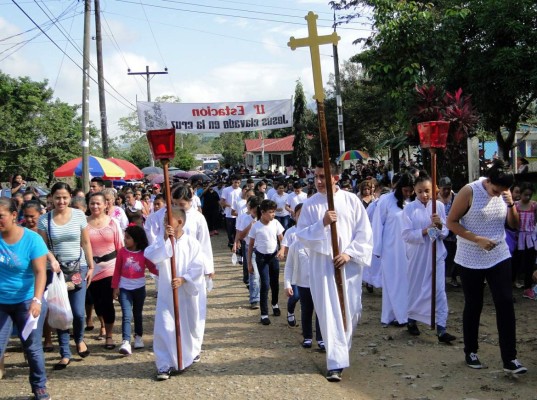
196 202
293 199
280 201
230 195
240 206
271 192
243 222
266 236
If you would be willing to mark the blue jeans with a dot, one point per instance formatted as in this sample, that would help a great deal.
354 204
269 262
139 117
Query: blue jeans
291 302
269 274
284 221
132 304
253 279
33 348
306 306
77 299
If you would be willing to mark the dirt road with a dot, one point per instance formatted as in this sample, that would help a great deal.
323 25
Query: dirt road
243 359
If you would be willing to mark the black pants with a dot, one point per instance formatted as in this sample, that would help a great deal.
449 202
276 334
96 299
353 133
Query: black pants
212 217
230 229
499 280
306 315
269 274
103 300
523 262
452 269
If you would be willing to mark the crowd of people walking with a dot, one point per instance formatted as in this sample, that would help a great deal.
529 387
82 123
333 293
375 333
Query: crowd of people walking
105 241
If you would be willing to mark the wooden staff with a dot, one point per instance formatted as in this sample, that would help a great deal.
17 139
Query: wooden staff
330 199
433 252
313 41
165 167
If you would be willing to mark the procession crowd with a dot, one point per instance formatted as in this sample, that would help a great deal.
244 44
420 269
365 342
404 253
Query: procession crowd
103 241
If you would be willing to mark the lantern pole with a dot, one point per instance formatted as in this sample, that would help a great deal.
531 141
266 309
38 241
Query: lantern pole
433 136
162 151
433 244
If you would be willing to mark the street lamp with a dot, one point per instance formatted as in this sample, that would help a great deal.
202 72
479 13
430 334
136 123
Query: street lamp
162 144
433 136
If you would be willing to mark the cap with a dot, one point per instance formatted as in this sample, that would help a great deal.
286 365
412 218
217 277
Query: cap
444 181
156 186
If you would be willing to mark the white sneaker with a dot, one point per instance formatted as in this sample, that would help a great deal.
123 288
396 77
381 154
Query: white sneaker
138 342
125 348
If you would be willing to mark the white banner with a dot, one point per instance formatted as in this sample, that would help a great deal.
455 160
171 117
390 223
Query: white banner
216 117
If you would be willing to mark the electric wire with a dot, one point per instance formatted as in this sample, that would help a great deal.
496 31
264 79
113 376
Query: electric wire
116 45
234 16
67 55
65 50
80 51
156 44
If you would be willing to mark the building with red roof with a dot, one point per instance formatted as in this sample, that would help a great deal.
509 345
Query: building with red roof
269 153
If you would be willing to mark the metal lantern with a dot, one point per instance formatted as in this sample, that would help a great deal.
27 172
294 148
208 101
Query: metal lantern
162 143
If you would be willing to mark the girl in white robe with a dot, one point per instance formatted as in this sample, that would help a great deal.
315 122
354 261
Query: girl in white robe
372 276
189 266
417 220
388 246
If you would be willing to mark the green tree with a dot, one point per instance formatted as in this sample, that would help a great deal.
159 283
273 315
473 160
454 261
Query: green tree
38 134
231 146
486 47
301 144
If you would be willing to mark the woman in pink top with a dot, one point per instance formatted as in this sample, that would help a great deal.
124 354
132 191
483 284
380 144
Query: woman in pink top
524 255
105 237
129 285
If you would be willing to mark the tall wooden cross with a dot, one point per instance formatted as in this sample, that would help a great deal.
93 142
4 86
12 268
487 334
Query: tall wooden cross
313 41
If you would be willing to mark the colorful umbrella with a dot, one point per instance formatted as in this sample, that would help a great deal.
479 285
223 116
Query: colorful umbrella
97 167
131 170
353 155
157 179
152 170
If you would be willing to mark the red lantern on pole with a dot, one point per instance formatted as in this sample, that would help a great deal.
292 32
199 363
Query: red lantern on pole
162 144
433 135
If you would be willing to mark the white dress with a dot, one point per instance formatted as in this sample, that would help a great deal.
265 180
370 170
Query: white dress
417 217
390 247
373 275
355 239
189 265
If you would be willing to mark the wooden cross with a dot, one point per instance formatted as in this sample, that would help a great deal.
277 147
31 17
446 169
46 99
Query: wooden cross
313 42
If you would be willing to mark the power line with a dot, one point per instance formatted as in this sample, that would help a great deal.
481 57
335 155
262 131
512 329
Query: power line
234 16
116 45
69 57
77 48
156 44
214 34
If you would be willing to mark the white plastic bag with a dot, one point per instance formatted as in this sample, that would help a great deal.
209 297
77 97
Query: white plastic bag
60 315
234 259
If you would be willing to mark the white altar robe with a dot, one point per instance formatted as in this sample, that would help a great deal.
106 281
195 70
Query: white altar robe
417 217
354 239
189 265
390 247
373 275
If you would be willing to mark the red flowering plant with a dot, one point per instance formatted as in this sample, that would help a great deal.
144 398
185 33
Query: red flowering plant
455 107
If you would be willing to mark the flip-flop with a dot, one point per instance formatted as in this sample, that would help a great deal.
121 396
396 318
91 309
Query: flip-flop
89 328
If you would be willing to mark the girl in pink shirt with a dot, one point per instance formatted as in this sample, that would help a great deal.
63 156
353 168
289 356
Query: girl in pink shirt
129 285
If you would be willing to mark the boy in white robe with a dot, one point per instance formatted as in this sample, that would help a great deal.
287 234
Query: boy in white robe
190 283
355 241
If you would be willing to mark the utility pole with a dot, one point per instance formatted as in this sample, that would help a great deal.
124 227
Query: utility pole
100 79
148 76
339 103
85 96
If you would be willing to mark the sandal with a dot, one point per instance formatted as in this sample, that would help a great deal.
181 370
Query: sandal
48 348
102 334
109 346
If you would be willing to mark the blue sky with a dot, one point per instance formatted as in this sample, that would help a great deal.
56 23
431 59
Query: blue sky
215 50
